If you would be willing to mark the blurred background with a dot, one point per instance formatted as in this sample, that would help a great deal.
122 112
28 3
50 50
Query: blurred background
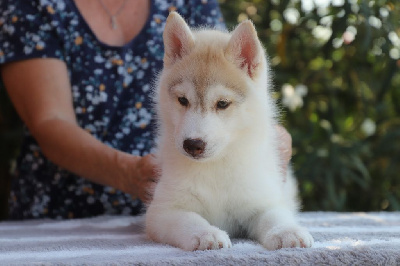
336 78
336 72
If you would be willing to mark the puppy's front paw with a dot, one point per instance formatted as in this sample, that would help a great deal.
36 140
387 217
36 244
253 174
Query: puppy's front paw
287 237
213 238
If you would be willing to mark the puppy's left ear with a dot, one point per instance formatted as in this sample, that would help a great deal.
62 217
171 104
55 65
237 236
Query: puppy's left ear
178 38
244 49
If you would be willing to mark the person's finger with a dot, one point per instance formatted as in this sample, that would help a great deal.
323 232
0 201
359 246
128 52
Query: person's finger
148 193
285 144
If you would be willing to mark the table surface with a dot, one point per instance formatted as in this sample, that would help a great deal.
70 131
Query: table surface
340 239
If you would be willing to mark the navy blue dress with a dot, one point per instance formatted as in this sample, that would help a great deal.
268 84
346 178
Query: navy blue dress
110 88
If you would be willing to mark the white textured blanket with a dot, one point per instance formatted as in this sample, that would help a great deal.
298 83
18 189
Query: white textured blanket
340 239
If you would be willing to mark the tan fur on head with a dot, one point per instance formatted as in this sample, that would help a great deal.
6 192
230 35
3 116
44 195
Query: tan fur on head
245 48
219 57
211 67
241 47
178 38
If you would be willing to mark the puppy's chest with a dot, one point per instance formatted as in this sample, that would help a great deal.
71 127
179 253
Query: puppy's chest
229 208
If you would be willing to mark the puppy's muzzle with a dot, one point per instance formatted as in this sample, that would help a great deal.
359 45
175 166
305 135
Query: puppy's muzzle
194 147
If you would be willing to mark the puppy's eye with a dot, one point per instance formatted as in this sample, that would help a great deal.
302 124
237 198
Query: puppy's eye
183 101
223 104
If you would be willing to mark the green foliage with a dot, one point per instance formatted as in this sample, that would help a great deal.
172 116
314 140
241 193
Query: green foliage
337 78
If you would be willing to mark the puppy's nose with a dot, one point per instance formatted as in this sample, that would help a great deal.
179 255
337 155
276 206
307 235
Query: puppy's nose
194 147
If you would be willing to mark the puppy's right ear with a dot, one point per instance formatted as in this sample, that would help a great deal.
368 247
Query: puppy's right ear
178 39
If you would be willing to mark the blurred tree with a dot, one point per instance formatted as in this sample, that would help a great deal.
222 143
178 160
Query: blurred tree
336 74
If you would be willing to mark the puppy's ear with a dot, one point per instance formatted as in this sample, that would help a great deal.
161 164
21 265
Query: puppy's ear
244 48
178 39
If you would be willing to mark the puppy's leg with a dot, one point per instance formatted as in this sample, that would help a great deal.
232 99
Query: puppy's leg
277 228
186 230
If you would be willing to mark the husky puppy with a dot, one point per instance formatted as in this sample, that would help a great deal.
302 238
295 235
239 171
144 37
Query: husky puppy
217 145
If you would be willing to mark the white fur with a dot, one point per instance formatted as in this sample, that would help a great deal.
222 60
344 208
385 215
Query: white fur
236 188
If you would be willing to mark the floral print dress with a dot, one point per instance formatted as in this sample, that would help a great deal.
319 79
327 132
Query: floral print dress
110 88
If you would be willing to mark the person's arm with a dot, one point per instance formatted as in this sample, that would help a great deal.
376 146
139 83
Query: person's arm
41 93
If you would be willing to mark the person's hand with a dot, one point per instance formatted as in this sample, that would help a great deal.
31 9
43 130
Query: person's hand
148 174
285 147
141 177
144 178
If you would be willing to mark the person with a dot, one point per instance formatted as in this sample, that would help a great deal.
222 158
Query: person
79 74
